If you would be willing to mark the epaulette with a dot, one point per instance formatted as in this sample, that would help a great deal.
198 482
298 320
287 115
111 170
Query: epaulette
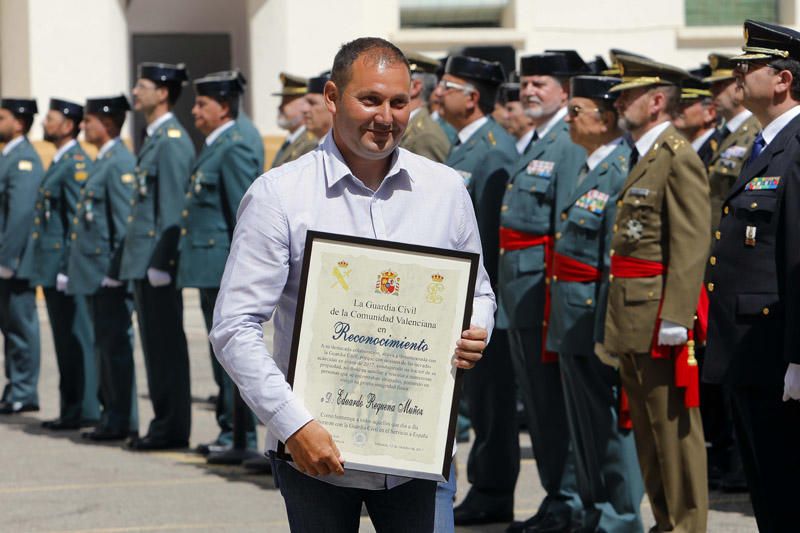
675 142
174 133
491 138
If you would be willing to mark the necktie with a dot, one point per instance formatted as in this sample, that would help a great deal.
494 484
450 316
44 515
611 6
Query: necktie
582 174
758 146
634 157
533 140
723 133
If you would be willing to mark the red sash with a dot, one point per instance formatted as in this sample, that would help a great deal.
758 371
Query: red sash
517 240
568 269
686 371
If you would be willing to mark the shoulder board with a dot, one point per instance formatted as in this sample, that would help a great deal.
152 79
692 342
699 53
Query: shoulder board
675 142
25 165
491 138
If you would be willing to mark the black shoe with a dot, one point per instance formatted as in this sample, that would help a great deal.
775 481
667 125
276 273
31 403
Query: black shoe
14 408
147 444
258 465
519 527
551 523
59 424
105 435
469 515
212 447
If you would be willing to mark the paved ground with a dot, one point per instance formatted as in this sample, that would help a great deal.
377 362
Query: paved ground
58 482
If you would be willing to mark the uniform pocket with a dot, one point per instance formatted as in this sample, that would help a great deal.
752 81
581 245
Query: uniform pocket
642 290
756 304
584 219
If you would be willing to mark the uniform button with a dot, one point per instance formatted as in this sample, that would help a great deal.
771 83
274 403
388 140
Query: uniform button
510 186
73 236
533 189
619 203
611 253
133 202
188 195
130 218
544 323
555 278
91 194
504 208
97 250
211 242
712 260
35 234
183 231
75 220
581 222
710 287
588 301
636 202
717 234
753 205
185 213
57 245
78 205
38 205
563 216
502 251
765 311
37 221
650 294
151 233
615 228
725 210
558 235
611 277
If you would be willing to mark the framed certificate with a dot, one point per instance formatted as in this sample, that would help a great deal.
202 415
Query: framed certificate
373 347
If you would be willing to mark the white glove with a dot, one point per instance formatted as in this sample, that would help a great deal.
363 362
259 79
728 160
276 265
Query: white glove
672 334
791 383
158 278
111 283
605 357
6 273
61 282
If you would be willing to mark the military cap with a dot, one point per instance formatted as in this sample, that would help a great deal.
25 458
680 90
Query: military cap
642 72
597 65
316 85
508 92
552 63
721 67
163 72
513 77
489 72
421 63
107 105
68 109
694 88
292 85
575 64
594 87
230 73
613 70
19 106
768 41
219 84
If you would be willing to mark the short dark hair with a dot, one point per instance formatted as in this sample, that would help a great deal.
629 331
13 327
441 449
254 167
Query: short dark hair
113 122
379 50
26 120
793 66
174 89
232 101
487 95
76 126
672 95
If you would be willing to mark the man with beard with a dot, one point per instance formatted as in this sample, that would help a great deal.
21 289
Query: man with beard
697 118
541 180
658 250
316 116
94 262
483 155
424 136
358 183
52 237
753 282
150 252
290 118
20 175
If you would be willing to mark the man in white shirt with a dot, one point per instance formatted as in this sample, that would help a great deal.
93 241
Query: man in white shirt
357 183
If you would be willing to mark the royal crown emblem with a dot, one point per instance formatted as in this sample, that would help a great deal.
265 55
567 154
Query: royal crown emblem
435 289
341 274
388 283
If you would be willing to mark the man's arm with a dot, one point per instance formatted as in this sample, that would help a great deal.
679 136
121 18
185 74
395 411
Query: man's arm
23 182
121 189
174 168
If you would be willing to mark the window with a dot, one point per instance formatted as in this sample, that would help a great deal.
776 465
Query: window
452 13
730 12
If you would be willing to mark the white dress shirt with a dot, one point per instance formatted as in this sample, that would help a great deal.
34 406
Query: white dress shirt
599 155
292 137
153 126
772 129
469 130
13 143
545 129
418 202
700 141
106 147
734 123
647 140
63 150
214 135
525 140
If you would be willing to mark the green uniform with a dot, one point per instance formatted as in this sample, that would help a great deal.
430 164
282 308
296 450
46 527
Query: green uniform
20 175
222 174
493 466
289 151
52 238
609 480
448 129
163 168
425 137
251 137
542 178
101 222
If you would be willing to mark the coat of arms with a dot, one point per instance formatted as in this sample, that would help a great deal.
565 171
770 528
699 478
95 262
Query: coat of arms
388 283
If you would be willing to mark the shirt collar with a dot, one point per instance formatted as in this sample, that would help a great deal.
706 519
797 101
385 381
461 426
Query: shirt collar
63 150
435 115
214 135
544 130
467 131
293 136
414 113
106 148
525 140
336 168
153 126
700 141
601 153
772 129
647 141
13 143
734 123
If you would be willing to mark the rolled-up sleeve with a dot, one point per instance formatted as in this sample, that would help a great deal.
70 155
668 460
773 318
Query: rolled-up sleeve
254 280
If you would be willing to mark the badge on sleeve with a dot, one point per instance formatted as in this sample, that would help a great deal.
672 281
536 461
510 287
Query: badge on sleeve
763 183
174 133
25 165
543 169
126 178
593 201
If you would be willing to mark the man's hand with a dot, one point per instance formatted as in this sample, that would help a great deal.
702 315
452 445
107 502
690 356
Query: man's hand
469 348
158 278
672 334
314 452
605 357
6 273
791 383
61 282
110 283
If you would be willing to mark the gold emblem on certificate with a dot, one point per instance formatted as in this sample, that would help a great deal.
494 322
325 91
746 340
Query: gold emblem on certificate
373 363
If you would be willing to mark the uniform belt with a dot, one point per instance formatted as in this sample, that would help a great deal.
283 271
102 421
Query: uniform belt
511 239
566 268
686 371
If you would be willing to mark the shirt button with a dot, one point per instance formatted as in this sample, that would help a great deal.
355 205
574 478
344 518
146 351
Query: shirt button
35 234
710 287
78 205
712 260
717 234
765 311
211 242
37 221
38 205
502 251
563 216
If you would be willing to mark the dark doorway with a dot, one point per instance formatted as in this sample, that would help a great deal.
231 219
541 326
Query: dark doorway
200 52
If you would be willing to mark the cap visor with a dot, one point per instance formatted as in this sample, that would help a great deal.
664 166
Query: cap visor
751 56
714 79
624 86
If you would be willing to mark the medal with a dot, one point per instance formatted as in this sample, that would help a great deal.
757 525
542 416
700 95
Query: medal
750 236
89 214
197 188
46 209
